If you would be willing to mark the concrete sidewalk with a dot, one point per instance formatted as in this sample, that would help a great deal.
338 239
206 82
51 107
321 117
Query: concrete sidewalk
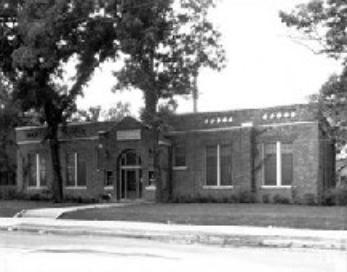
210 235
54 213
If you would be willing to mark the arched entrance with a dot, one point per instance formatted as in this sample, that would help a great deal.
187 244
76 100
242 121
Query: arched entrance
130 174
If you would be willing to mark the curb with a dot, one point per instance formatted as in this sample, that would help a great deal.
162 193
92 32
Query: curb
188 237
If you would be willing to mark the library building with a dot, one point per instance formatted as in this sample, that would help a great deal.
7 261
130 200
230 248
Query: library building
279 151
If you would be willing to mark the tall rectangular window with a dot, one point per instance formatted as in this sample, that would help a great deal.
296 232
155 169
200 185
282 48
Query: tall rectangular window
287 164
278 164
270 164
225 165
37 170
70 169
219 165
179 156
108 179
76 171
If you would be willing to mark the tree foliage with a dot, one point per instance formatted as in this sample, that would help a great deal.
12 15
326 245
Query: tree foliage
37 37
95 113
323 24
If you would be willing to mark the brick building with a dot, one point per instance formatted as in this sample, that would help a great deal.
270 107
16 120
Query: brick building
273 151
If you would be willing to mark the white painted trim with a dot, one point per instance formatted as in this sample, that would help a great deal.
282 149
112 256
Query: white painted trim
278 164
29 142
94 138
36 187
288 124
240 127
218 165
91 138
164 143
76 187
276 187
76 170
38 180
151 188
179 168
204 130
217 187
130 167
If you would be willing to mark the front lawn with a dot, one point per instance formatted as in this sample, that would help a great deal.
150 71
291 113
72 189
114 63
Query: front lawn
292 216
8 208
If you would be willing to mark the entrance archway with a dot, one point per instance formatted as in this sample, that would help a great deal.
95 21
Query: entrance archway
130 174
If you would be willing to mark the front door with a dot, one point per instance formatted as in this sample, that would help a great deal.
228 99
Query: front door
130 175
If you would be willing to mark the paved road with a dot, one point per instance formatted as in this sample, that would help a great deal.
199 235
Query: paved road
47 252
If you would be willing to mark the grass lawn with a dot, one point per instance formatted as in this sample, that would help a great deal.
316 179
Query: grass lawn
292 216
9 208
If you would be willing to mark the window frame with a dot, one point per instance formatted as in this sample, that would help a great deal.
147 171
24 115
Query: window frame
75 186
37 166
219 177
278 154
107 186
179 167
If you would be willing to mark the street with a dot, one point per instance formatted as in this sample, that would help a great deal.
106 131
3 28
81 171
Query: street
21 251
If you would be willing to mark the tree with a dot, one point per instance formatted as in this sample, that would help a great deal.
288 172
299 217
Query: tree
37 37
322 27
9 119
164 44
95 113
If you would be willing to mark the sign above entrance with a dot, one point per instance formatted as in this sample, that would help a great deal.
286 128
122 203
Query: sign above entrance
131 134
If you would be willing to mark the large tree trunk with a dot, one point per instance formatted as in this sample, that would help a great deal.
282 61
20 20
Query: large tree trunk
57 185
151 118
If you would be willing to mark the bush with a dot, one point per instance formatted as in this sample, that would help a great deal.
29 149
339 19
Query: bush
341 196
329 198
309 199
280 199
247 197
266 198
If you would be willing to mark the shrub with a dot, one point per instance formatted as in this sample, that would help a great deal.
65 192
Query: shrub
280 199
266 198
309 199
247 197
329 198
341 196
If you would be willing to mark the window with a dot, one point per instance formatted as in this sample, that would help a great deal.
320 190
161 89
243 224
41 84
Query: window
37 170
218 165
108 182
151 179
278 164
179 156
7 178
75 171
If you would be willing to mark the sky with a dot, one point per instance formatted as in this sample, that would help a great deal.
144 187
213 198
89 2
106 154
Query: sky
264 68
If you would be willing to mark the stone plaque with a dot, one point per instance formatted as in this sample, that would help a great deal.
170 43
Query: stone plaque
131 134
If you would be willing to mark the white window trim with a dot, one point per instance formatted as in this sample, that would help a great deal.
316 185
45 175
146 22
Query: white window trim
108 187
76 186
179 168
278 169
151 187
218 185
38 176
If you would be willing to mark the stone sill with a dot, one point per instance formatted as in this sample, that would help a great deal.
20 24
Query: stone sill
76 188
179 168
37 188
150 188
276 187
213 187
